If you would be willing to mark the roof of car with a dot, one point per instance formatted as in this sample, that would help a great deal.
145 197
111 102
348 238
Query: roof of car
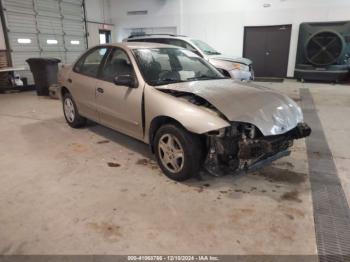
138 45
157 36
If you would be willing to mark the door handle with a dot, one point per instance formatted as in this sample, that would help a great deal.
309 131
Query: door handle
70 80
100 90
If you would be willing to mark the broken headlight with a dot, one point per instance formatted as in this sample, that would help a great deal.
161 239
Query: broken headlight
238 66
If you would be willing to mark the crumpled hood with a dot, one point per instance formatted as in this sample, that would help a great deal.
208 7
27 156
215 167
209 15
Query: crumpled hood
273 113
224 58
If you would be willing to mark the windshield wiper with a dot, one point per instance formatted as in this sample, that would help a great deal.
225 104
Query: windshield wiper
212 53
204 77
167 81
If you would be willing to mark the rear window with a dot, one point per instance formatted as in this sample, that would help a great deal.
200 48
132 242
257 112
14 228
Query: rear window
147 40
168 41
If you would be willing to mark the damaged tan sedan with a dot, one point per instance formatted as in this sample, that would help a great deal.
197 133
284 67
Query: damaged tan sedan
186 110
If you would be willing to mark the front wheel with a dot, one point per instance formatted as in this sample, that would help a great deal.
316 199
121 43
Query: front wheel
71 112
178 152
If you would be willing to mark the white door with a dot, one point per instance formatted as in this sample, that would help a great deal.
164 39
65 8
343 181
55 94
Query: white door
44 28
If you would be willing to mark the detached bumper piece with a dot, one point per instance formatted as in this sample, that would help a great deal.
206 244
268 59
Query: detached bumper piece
255 154
267 161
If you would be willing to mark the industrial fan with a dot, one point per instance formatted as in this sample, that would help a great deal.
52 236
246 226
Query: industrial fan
323 51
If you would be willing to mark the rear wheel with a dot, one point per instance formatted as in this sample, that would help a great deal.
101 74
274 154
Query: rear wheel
71 112
178 152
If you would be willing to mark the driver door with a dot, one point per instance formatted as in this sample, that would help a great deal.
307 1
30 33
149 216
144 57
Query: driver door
119 107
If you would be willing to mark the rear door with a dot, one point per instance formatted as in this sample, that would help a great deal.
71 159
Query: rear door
83 81
119 107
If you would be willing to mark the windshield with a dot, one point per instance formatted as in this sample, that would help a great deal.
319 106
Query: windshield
161 66
207 49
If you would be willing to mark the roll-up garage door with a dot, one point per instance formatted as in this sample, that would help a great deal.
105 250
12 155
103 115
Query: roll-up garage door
44 28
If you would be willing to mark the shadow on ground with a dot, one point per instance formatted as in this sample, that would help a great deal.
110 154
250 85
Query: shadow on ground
279 178
121 139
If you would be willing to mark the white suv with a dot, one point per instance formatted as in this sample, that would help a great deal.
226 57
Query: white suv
236 68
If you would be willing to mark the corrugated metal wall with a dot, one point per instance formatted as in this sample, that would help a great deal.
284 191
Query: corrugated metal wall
44 28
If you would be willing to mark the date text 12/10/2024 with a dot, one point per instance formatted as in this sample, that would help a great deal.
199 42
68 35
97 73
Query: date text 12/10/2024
173 258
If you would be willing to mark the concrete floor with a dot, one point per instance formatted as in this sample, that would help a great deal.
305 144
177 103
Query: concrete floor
95 191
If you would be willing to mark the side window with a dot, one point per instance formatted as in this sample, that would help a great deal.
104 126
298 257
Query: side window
136 40
191 48
183 44
117 64
90 63
154 40
177 42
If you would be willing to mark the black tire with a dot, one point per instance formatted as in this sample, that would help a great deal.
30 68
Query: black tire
77 120
192 151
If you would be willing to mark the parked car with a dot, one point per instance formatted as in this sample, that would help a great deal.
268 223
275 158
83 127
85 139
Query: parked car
234 67
184 108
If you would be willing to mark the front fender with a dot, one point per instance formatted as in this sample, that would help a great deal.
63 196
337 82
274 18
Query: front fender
194 118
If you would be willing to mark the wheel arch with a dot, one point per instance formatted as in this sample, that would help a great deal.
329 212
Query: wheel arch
63 90
156 123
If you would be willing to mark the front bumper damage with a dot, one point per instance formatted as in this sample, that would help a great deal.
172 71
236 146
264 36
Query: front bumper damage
237 154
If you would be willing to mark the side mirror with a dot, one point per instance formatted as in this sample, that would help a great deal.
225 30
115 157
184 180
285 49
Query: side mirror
224 73
126 80
221 71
